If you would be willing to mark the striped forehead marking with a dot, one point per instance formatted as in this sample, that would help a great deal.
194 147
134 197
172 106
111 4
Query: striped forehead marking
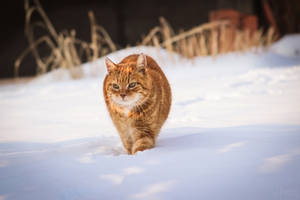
124 74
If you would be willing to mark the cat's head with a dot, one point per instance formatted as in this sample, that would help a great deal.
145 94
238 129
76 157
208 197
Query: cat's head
127 83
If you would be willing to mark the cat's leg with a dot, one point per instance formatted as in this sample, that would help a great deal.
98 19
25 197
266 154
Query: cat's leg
127 142
142 140
142 144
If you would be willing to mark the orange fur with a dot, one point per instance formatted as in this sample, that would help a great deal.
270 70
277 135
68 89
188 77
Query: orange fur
138 98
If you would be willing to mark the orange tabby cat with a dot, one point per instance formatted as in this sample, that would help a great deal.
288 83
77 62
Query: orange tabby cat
138 98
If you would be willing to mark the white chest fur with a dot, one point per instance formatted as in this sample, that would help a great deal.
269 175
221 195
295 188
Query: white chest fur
127 104
126 110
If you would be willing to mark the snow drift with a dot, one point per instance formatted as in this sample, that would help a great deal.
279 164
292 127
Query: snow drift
233 132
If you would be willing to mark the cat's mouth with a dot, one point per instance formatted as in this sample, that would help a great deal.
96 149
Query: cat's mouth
127 100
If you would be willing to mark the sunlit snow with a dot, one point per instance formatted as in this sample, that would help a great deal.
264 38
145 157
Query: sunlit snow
233 132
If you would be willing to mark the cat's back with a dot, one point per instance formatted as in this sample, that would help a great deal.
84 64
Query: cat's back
154 69
151 63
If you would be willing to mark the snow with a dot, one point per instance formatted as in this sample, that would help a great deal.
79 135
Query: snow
233 132
288 46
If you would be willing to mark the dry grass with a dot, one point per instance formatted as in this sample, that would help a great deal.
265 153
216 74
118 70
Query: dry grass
207 39
66 51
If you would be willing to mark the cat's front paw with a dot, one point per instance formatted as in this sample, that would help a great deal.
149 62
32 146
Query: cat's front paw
128 151
142 144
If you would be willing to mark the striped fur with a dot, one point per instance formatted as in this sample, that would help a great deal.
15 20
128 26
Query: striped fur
143 109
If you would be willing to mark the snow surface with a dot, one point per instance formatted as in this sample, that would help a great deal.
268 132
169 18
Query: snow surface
233 132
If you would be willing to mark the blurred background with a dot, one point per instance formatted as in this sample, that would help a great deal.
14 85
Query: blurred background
127 22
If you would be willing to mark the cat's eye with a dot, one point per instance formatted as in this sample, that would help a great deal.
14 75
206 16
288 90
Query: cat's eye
115 86
132 85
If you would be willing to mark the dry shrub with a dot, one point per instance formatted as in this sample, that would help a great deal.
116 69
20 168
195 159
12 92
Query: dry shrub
207 39
66 51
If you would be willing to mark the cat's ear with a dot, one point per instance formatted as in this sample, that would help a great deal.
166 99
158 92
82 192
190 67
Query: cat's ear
110 65
141 63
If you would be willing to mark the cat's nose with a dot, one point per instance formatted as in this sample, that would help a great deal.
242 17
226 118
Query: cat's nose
123 95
